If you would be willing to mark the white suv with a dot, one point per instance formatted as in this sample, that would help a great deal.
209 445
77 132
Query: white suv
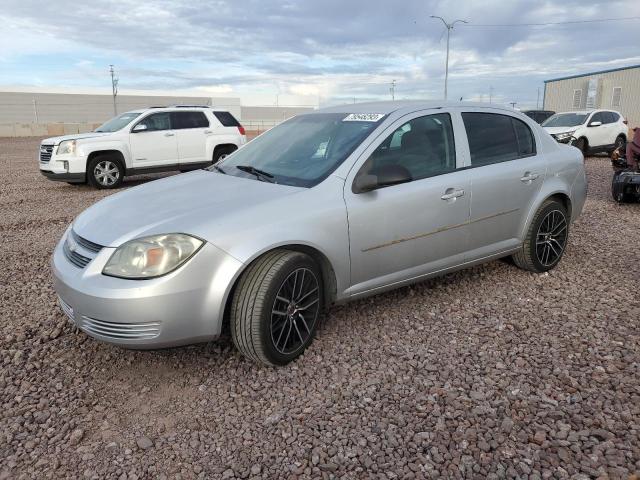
183 137
595 131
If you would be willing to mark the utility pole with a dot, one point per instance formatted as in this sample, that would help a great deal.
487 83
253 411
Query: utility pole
393 89
513 104
35 110
446 68
538 100
490 93
114 88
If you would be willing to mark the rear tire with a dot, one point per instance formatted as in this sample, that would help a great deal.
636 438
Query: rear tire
276 306
546 238
220 153
619 143
105 172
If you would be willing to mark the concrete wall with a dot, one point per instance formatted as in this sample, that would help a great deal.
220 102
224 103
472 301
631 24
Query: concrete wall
559 94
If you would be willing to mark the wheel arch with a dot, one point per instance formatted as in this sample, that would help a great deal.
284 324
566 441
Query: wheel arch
112 152
560 195
329 278
220 146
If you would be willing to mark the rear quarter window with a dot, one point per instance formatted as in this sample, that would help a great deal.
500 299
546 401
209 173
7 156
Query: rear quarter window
226 119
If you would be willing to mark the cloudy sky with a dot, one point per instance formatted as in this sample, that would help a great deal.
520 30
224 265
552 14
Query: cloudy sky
311 51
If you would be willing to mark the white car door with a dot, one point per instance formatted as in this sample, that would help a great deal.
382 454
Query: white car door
597 134
153 142
405 230
192 129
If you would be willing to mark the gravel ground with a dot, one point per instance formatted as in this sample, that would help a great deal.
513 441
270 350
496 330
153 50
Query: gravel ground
490 372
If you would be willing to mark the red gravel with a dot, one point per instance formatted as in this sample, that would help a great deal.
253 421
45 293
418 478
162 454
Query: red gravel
491 372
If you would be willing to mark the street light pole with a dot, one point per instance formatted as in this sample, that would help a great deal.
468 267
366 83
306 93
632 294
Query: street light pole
114 88
449 27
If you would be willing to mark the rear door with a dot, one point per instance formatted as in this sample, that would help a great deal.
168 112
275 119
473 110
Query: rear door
153 142
192 129
506 174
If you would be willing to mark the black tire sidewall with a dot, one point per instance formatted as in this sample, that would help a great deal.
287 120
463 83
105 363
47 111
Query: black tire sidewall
92 165
221 151
540 216
581 144
295 262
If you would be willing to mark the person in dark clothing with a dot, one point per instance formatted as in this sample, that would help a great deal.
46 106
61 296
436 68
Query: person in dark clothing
633 150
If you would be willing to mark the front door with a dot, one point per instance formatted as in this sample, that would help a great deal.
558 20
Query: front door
506 175
404 231
153 143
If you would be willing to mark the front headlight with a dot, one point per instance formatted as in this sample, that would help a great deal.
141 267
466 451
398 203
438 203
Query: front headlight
153 256
68 147
562 136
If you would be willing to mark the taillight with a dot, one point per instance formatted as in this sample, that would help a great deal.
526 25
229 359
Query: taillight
241 129
625 122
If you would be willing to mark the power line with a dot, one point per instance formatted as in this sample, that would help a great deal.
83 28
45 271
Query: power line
570 22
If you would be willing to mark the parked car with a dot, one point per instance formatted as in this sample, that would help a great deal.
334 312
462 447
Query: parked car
594 131
327 207
143 141
539 116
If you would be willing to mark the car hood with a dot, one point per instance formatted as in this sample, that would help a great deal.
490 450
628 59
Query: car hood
556 130
190 203
76 136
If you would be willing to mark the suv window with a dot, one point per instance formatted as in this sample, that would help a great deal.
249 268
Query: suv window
424 146
226 119
597 117
181 120
495 138
610 117
156 121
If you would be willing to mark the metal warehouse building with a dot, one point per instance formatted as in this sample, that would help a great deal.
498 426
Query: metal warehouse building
615 89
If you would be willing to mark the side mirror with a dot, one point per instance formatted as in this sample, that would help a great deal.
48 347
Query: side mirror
385 176
594 124
141 127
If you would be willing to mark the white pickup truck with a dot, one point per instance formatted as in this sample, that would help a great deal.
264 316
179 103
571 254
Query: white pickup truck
182 137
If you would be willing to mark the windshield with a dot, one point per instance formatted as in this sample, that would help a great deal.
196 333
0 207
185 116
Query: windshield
118 122
300 152
566 120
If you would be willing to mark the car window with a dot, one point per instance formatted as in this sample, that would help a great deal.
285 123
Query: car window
597 117
156 121
226 119
182 120
424 146
495 138
614 117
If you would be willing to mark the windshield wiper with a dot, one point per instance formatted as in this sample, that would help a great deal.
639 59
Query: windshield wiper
219 169
260 174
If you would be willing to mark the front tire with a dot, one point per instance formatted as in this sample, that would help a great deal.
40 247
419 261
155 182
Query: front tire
581 144
276 307
619 143
104 172
546 238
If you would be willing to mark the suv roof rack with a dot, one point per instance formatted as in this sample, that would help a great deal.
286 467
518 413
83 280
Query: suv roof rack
190 106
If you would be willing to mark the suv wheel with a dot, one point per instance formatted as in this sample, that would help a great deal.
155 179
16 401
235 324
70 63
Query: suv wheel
105 172
221 153
581 144
619 143
276 307
546 238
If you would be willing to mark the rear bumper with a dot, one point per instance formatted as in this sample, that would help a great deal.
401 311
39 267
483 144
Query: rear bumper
64 177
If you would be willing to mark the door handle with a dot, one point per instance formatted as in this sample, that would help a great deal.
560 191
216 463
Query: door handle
529 177
208 132
169 134
452 194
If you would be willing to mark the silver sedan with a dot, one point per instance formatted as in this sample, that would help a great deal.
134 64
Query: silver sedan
327 207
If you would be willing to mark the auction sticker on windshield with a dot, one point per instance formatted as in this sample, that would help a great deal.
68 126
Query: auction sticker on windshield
363 117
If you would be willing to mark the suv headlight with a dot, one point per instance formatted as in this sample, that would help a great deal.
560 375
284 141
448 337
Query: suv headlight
153 256
562 136
68 147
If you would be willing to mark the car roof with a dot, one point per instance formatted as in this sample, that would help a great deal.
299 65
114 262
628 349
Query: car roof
407 106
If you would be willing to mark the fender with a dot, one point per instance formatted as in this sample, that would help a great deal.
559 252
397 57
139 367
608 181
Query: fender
86 149
220 139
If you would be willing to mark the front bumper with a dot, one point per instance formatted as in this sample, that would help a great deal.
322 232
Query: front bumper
183 307
64 177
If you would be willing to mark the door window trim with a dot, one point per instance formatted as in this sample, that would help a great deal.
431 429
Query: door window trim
513 118
391 129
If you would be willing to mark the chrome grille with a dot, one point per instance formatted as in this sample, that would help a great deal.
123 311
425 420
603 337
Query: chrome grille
45 152
120 331
66 308
74 257
89 245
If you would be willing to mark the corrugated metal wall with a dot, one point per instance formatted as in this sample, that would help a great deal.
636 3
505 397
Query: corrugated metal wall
559 94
